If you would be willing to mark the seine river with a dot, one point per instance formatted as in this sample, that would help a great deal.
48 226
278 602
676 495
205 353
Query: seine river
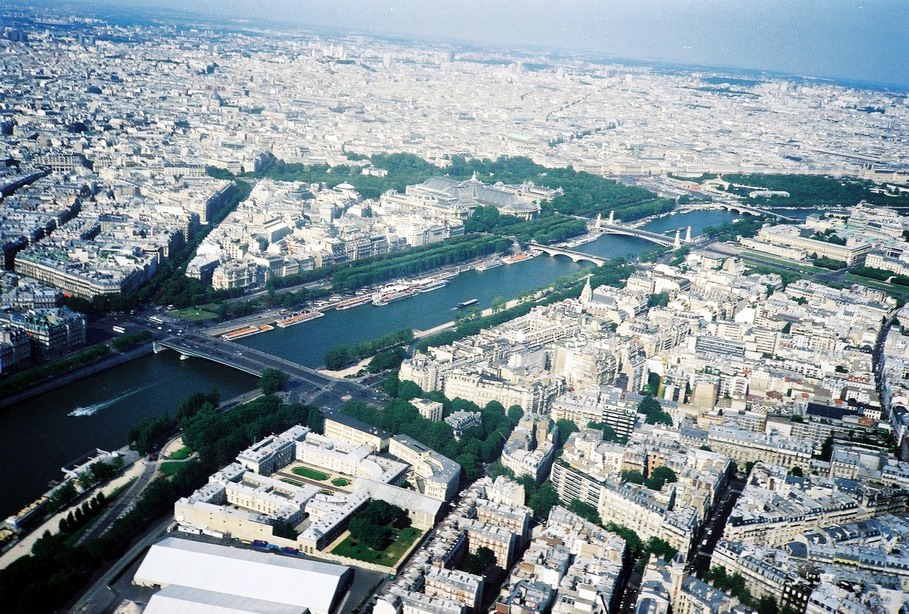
45 433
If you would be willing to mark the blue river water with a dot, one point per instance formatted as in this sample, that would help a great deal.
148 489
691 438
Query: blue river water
43 434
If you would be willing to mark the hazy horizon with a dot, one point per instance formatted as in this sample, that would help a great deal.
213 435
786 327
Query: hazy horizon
852 40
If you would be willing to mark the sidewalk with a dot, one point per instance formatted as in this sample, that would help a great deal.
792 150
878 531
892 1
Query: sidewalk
24 546
352 370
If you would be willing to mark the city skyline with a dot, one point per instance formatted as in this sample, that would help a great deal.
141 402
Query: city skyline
535 332
831 39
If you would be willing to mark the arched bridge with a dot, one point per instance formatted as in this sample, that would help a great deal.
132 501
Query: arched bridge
628 231
233 355
735 208
574 255
308 383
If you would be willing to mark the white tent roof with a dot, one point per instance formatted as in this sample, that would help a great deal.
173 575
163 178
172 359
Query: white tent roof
244 573
182 600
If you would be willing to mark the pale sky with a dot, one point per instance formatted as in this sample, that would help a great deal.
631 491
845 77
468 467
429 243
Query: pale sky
864 40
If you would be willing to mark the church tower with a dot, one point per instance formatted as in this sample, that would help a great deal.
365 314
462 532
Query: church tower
586 293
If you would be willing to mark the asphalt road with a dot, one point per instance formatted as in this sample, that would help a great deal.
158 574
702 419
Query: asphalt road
305 386
713 528
124 502
100 597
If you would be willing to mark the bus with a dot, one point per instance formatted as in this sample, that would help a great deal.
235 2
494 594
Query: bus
156 319
119 330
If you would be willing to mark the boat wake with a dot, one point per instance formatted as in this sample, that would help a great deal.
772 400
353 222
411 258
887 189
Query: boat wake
90 410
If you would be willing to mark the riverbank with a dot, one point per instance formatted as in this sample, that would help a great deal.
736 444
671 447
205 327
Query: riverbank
102 364
271 315
98 410
24 545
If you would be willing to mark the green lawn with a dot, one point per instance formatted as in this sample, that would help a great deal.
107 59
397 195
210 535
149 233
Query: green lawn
312 474
170 468
294 482
770 260
879 285
404 539
341 482
181 454
193 314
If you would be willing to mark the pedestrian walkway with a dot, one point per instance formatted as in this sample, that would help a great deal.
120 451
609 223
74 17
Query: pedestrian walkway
24 546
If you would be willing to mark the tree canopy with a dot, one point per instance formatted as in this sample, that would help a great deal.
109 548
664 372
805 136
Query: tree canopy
273 380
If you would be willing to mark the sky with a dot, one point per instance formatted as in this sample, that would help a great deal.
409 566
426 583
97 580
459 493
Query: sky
859 40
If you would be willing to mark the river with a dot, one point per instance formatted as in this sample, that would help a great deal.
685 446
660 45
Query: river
307 343
40 435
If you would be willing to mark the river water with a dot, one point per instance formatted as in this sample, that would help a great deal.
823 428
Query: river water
45 433
41 435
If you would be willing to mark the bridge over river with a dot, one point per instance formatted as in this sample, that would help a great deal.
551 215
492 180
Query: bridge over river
305 384
735 208
640 233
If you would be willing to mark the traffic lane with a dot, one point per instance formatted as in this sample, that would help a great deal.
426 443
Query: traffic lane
714 528
99 597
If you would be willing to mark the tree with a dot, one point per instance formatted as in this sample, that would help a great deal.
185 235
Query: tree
585 511
566 428
371 524
543 499
86 479
797 472
150 431
649 405
337 358
608 432
46 545
734 584
635 477
660 299
62 495
767 605
653 411
408 390
632 541
273 380
372 535
483 219
660 417
660 548
659 477
515 413
390 385
653 384
387 359
477 563
497 469
486 556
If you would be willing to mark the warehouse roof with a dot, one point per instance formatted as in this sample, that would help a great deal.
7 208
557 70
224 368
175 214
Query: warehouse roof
182 600
244 573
